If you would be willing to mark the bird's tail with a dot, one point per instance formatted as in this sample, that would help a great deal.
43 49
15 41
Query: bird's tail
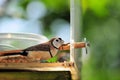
11 52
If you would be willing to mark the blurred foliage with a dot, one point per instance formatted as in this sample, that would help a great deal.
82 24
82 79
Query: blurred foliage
27 9
101 21
55 10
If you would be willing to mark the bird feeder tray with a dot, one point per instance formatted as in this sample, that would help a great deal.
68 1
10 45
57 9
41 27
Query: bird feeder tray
22 68
64 71
25 65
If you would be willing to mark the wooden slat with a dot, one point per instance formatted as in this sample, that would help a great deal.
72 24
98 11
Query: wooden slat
67 66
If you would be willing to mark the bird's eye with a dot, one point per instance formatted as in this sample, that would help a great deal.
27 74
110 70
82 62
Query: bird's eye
59 38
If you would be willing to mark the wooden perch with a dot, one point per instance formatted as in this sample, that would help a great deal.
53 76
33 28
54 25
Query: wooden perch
22 59
76 45
63 47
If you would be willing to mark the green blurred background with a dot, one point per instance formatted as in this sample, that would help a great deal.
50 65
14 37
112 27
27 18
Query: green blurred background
100 25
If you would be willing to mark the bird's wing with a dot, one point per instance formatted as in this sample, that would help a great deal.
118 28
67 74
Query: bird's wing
40 47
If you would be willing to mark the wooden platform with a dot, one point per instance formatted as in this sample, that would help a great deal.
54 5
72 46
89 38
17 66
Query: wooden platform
40 67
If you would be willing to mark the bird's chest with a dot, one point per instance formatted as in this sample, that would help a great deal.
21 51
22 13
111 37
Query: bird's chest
42 55
54 52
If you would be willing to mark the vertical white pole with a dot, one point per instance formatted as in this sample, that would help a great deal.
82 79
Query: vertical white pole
72 13
75 18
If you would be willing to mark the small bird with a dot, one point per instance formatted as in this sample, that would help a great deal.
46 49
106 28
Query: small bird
41 51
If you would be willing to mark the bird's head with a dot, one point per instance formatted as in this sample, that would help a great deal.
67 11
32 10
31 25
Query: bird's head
57 42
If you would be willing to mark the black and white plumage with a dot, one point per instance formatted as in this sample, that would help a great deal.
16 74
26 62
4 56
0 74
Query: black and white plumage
41 51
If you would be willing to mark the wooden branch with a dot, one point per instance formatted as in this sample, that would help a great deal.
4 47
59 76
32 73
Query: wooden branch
22 59
63 47
76 45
